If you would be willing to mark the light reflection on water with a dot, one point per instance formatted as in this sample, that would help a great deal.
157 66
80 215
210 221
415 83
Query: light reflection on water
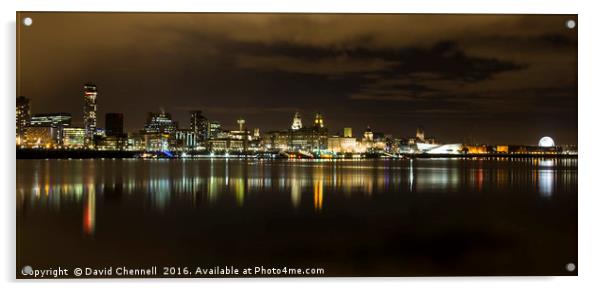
51 184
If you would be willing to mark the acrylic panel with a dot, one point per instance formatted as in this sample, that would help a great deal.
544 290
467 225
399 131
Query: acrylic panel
193 145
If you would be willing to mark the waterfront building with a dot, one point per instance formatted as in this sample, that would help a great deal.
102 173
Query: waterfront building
135 141
73 137
90 95
158 141
215 128
319 121
476 149
445 149
347 132
502 149
297 124
160 122
111 143
308 139
22 118
114 124
407 146
41 137
546 141
183 140
368 135
420 134
60 119
276 141
227 145
342 144
200 127
113 137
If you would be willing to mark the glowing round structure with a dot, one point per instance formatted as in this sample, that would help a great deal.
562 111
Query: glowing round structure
546 142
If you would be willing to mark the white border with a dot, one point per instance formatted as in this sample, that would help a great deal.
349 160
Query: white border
589 118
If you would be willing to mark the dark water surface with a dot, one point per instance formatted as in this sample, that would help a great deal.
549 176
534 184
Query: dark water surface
352 218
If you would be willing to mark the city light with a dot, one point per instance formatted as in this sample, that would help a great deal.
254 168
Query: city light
163 137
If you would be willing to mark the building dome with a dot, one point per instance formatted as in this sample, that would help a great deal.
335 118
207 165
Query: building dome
546 142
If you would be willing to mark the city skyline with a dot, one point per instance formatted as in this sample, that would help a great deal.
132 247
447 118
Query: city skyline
487 79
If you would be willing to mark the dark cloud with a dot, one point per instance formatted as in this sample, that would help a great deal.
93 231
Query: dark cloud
512 76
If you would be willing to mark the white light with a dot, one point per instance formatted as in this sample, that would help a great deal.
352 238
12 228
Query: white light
570 24
27 21
546 141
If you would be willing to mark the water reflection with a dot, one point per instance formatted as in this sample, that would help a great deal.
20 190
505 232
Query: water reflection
89 217
55 184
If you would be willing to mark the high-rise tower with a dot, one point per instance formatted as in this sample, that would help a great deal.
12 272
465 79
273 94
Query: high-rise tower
90 95
199 125
114 124
22 116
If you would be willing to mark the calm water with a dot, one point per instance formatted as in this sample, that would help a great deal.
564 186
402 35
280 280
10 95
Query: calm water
352 218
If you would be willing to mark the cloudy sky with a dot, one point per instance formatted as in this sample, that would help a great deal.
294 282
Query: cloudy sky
481 78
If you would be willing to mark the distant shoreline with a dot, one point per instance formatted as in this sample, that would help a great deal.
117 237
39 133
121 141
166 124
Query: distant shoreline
25 154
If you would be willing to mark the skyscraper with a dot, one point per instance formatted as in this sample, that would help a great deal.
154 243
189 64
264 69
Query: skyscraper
199 125
90 95
160 122
114 124
22 117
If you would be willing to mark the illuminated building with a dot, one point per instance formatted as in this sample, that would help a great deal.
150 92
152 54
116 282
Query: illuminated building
112 143
160 123
347 132
477 149
546 141
342 144
319 121
182 140
276 140
215 128
241 124
156 142
41 137
503 149
420 134
136 141
368 134
157 130
90 95
313 138
58 121
22 118
114 124
445 149
51 119
242 135
297 122
73 137
226 145
200 127
112 138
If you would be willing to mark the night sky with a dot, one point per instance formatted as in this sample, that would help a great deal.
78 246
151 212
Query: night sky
465 78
